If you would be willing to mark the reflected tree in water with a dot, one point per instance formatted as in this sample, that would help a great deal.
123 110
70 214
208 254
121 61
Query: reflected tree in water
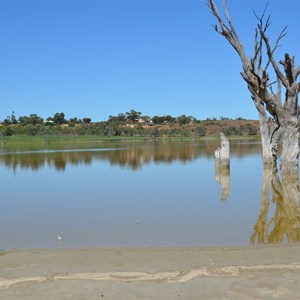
284 193
131 155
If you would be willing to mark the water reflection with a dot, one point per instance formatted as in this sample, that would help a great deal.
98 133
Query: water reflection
173 197
284 193
222 175
127 155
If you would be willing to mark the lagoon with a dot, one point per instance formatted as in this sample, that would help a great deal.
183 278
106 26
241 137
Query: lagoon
142 194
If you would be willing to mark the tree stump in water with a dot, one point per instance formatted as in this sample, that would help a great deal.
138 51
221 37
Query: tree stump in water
222 163
222 156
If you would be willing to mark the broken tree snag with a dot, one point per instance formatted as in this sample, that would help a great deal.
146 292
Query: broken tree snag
222 156
222 163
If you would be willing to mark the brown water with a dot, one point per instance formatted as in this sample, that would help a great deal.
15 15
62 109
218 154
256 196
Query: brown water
143 194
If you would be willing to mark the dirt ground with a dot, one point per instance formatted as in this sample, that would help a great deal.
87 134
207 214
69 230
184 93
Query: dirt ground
265 272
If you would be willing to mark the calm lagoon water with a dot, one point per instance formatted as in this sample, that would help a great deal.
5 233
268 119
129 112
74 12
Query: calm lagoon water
142 194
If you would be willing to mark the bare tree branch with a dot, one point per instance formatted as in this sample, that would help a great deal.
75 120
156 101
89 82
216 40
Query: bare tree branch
278 95
263 14
257 52
228 32
288 64
296 72
230 23
276 100
271 52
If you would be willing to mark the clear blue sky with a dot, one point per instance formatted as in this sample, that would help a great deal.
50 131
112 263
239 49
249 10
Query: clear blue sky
100 58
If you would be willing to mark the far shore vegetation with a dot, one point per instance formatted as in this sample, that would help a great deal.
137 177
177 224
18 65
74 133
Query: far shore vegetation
129 125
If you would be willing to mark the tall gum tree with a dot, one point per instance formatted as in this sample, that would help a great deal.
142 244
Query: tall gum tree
266 95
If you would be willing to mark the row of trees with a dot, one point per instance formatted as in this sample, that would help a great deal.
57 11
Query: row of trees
33 119
132 116
113 128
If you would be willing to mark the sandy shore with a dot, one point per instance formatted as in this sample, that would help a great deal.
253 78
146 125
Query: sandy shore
266 272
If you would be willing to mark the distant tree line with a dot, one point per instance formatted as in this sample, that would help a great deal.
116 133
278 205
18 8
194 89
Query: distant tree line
131 123
57 119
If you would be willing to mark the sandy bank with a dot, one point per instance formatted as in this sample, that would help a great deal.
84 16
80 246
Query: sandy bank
265 272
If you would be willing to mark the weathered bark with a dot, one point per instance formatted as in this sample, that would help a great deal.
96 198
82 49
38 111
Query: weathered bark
268 156
290 145
269 140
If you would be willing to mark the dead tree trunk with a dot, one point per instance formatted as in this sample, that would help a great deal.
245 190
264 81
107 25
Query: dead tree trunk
286 114
222 154
290 145
268 157
284 129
